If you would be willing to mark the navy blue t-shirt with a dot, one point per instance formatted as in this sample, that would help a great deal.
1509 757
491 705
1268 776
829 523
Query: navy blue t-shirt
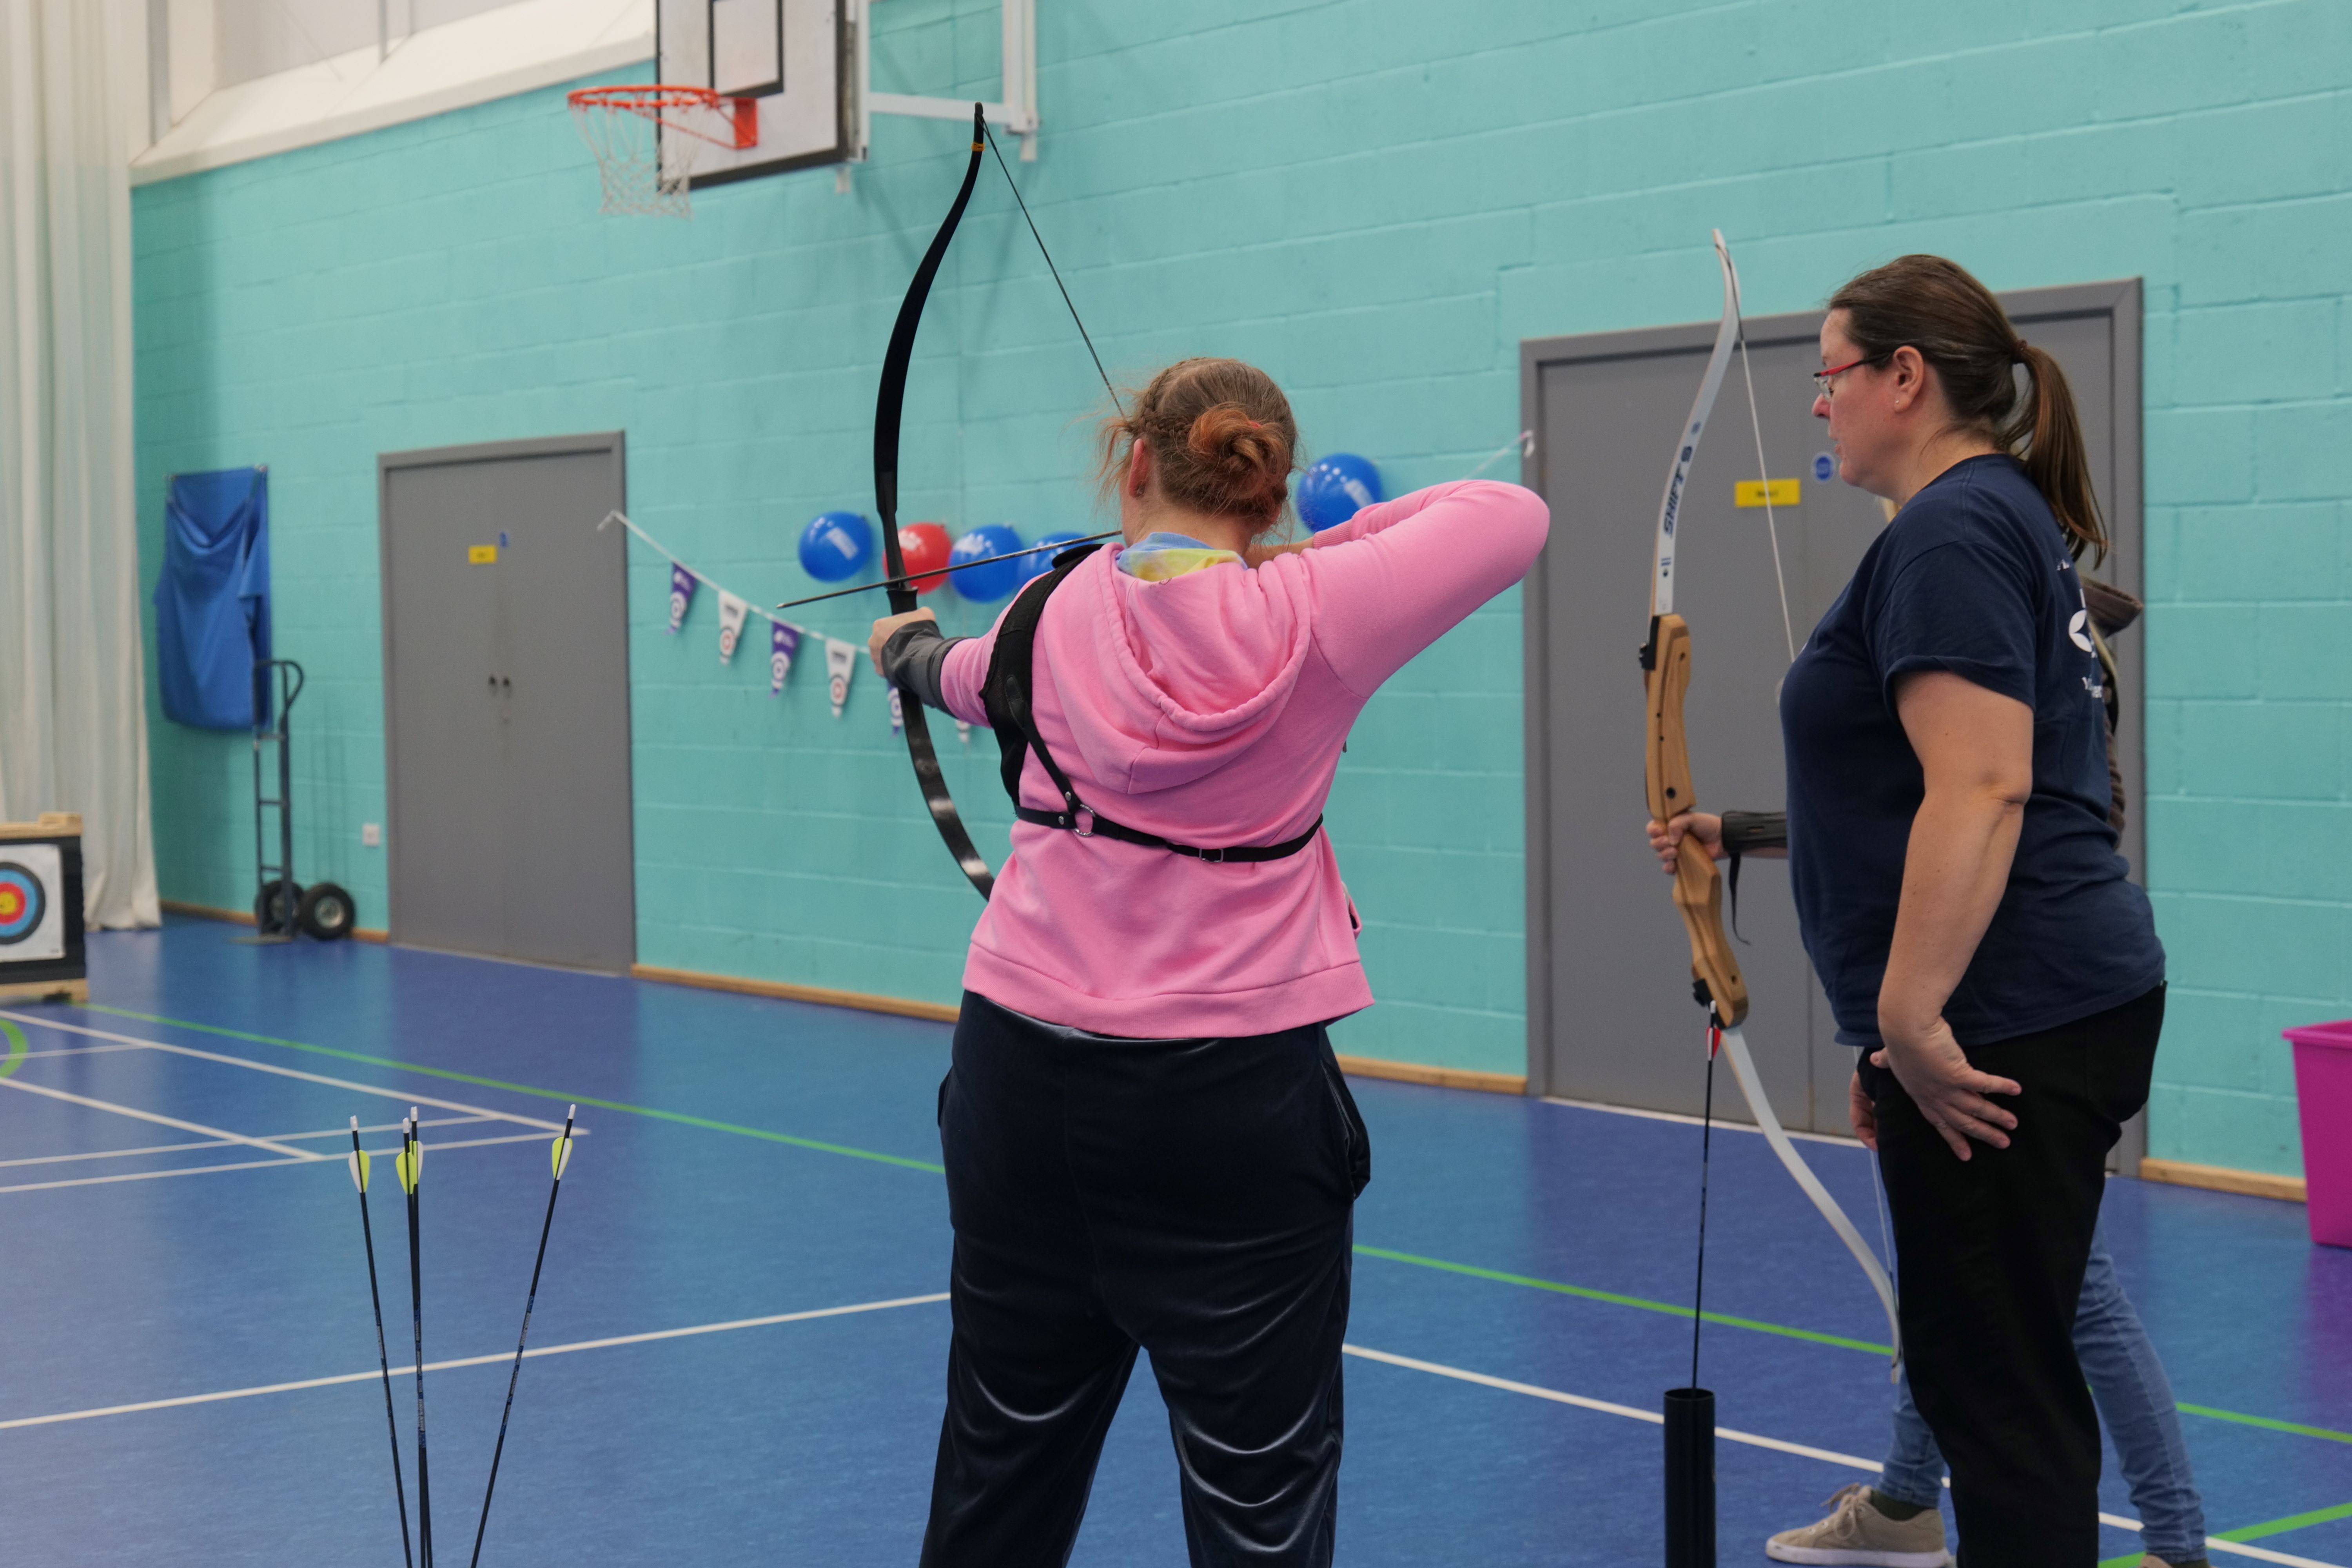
1972 576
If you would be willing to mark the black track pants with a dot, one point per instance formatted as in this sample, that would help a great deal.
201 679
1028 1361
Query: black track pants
1992 1253
1195 1197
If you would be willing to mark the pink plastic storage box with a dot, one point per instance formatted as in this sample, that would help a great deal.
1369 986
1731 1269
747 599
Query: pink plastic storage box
2323 1088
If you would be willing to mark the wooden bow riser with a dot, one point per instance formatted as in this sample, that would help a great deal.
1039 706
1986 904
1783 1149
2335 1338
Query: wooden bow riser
1698 886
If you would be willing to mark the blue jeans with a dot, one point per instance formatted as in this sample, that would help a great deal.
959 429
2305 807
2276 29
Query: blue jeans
2134 1400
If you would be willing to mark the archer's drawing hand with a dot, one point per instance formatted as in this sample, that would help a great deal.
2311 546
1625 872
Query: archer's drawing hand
1666 836
1935 1072
887 627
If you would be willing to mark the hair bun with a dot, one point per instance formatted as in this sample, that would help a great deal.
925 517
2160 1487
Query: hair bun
1222 436
1249 454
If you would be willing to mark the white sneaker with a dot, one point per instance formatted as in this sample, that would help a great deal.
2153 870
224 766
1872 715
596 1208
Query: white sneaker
1856 1532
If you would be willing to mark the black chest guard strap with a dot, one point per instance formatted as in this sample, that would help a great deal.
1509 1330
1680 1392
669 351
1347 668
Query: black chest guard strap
1006 696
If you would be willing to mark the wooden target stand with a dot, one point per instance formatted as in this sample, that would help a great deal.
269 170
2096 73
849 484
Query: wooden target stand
41 956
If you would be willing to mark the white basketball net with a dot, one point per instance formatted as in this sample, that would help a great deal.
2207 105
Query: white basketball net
643 171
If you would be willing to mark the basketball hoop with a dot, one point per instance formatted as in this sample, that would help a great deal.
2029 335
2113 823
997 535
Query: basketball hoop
642 170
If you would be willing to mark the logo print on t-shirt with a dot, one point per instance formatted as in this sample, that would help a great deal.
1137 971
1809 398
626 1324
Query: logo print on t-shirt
2076 629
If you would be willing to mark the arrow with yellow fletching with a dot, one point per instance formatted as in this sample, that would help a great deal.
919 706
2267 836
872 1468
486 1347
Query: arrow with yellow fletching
409 1166
359 1164
558 1159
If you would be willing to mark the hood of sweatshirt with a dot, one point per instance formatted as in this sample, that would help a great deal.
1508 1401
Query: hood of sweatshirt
1182 676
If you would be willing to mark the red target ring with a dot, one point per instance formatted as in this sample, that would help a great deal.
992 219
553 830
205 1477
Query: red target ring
23 902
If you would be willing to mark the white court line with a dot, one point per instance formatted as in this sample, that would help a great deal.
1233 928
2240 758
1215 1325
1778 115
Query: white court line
116 1153
259 1164
413 1098
1827 1455
219 1143
286 1149
77 1051
153 1176
1606 1408
498 1360
396 1126
1719 1124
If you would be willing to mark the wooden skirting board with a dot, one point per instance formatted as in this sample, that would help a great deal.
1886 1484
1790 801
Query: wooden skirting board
245 918
75 991
940 1012
1442 1077
2221 1179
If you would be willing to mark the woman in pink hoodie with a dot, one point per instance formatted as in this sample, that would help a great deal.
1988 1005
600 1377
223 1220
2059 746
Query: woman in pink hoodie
1148 1141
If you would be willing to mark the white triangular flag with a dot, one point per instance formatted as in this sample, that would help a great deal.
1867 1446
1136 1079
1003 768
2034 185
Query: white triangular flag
731 611
840 661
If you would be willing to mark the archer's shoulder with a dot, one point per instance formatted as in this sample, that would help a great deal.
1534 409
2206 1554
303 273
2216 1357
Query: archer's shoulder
1984 503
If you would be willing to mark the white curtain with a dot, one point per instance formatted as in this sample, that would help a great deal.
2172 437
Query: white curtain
73 722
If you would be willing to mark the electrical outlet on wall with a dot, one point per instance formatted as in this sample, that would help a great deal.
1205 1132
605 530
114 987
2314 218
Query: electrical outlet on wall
370 835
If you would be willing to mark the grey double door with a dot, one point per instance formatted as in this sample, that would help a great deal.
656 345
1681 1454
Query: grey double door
507 700
1610 1012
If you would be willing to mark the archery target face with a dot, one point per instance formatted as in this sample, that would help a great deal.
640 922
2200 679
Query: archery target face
32 926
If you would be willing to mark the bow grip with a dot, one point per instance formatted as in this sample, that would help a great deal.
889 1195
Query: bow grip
1666 772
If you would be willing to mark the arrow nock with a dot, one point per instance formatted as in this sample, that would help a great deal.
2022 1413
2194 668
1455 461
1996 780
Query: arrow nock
359 1160
412 1154
559 1153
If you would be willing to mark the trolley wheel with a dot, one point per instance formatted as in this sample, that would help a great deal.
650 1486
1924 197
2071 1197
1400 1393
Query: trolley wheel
276 907
326 913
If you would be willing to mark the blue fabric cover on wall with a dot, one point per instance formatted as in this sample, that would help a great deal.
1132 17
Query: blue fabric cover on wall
212 599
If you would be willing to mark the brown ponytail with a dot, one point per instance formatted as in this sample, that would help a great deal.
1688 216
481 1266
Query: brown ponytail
1222 436
1934 306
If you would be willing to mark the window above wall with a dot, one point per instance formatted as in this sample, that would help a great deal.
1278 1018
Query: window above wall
234 79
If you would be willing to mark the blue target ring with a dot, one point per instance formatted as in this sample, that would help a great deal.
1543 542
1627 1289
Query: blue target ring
23 902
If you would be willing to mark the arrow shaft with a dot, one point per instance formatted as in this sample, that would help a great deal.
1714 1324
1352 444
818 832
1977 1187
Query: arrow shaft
953 566
416 1327
515 1372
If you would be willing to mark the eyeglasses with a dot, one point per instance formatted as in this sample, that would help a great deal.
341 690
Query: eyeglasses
1826 381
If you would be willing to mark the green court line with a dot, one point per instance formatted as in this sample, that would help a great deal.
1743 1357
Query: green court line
1587 1293
2296 1427
677 1116
2292 1521
1785 1332
16 1048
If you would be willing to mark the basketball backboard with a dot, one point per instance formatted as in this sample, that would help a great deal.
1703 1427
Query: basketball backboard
794 57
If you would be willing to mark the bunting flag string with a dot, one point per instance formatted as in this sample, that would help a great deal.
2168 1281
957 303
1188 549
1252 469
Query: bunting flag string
785 638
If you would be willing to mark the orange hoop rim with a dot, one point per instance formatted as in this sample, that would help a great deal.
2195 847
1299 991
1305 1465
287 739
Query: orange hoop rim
651 99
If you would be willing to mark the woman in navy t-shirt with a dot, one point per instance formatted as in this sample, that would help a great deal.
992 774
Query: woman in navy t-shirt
1957 883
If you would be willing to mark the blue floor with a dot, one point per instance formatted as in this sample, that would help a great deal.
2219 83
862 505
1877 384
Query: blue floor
750 1158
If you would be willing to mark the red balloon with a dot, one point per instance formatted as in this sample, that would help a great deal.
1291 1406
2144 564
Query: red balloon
926 547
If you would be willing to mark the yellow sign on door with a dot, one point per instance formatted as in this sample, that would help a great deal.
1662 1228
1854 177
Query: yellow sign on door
488 554
1761 492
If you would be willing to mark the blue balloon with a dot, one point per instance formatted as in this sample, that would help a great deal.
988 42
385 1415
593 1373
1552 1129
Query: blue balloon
836 544
1336 488
982 584
1040 561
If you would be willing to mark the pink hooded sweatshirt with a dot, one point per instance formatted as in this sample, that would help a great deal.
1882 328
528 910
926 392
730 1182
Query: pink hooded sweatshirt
1210 709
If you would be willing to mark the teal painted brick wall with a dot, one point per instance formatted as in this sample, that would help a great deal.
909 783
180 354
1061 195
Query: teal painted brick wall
1376 200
